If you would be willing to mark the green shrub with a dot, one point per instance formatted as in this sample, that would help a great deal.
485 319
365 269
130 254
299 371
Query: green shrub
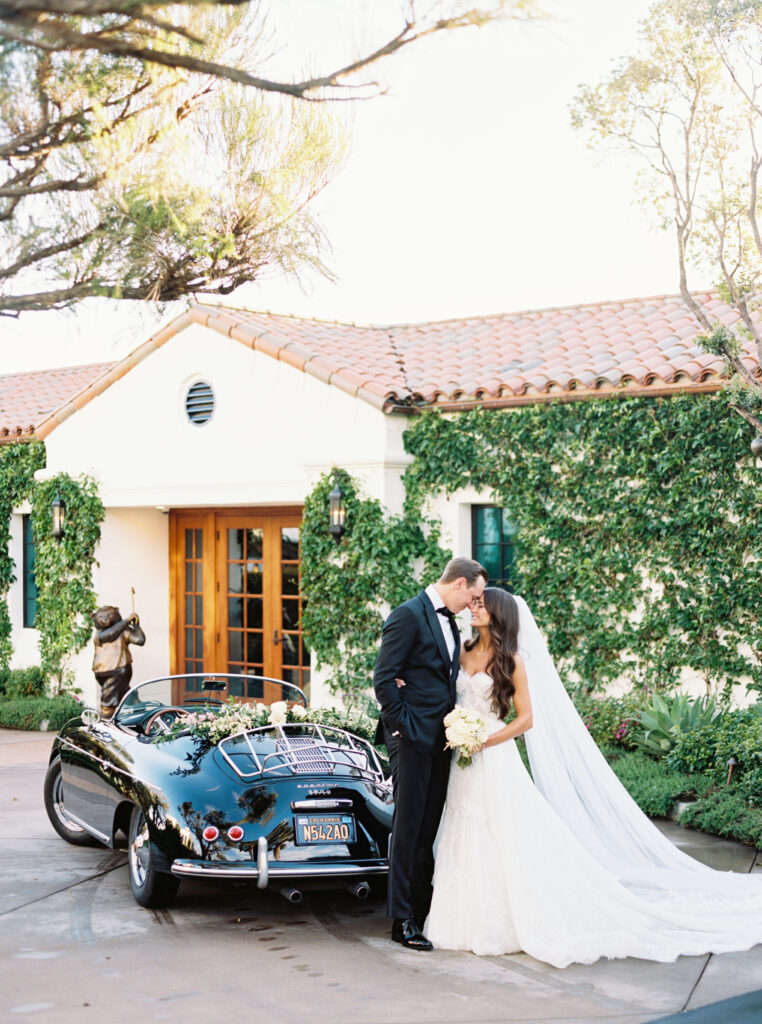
725 812
610 720
31 712
22 682
736 734
662 722
655 788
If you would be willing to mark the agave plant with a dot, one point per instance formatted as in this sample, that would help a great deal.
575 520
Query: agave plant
660 724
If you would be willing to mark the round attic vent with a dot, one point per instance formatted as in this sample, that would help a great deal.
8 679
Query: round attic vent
199 402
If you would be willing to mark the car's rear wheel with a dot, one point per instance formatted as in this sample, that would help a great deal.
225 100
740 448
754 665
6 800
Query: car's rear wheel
151 888
64 825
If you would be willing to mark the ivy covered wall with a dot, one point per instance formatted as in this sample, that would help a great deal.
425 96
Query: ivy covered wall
640 529
63 568
639 545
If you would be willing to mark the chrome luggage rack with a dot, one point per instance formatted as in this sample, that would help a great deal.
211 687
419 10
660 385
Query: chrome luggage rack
303 748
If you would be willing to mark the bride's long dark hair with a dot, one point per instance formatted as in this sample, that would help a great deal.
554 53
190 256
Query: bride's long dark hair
504 637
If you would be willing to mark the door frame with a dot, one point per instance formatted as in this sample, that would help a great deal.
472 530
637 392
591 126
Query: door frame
214 560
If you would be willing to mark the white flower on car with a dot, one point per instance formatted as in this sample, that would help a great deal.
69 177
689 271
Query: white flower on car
298 712
278 712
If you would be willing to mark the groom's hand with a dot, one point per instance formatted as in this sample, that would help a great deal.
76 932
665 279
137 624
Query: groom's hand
399 682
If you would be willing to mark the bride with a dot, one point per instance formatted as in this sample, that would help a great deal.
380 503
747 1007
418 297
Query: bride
563 865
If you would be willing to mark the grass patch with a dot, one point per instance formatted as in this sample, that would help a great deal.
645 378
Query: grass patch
31 712
726 812
656 788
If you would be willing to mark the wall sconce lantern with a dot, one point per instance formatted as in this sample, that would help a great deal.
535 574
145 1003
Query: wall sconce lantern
337 512
59 517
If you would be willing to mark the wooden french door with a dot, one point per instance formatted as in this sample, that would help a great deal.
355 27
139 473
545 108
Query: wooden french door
236 604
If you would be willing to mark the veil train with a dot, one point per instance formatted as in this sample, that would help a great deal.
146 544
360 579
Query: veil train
576 780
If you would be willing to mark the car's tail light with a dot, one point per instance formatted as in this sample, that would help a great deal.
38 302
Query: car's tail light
235 833
210 833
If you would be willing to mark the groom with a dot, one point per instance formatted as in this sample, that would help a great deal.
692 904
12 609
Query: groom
420 646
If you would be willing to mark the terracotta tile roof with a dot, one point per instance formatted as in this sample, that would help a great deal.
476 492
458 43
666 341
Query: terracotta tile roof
638 346
26 399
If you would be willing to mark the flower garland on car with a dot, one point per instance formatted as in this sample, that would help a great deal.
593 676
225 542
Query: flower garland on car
210 725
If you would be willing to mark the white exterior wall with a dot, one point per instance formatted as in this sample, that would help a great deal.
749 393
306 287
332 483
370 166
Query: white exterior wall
275 429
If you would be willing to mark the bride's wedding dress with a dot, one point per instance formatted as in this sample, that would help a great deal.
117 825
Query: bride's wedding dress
566 867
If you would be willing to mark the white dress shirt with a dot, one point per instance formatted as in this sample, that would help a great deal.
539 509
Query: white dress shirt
444 622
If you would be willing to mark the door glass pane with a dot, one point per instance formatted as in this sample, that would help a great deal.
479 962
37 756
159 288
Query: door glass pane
188 643
189 543
199 643
290 655
235 579
290 579
199 578
290 613
254 648
235 611
189 609
253 543
189 576
254 612
235 645
199 543
290 544
235 544
253 577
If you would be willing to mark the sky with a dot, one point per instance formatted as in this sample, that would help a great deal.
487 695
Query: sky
466 191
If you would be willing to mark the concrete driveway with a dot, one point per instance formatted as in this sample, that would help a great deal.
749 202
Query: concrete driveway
74 946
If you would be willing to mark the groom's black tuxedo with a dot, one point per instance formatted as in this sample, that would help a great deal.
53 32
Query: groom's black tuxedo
413 649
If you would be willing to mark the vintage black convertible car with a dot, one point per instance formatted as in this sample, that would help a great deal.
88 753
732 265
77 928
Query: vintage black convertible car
293 805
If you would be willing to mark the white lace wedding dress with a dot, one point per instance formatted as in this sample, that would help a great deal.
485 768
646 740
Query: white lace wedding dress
567 868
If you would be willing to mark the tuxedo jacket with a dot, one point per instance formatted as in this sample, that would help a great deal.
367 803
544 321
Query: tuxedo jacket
413 648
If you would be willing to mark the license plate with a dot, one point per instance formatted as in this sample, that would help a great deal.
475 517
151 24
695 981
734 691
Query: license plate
324 828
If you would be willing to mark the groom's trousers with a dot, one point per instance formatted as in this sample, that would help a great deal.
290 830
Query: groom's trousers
420 786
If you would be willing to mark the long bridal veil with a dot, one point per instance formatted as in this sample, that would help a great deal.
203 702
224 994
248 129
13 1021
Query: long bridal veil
575 779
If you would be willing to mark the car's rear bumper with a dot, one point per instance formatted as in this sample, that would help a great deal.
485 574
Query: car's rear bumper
264 874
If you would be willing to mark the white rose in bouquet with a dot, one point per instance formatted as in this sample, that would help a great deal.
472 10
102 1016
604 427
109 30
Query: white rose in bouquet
298 712
466 731
278 712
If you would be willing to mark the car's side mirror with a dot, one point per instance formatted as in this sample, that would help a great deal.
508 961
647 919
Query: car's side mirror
90 716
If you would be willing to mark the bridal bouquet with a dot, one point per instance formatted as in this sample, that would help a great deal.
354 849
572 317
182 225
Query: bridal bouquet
466 731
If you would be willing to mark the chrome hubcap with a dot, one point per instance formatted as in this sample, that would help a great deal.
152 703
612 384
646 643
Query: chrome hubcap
140 852
60 810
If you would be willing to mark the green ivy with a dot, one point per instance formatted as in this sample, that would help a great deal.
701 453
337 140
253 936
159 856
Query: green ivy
63 569
640 526
381 559
18 463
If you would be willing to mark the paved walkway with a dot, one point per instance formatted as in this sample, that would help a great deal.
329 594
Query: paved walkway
72 909
17 746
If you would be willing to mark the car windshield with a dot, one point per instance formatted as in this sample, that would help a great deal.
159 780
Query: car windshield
203 688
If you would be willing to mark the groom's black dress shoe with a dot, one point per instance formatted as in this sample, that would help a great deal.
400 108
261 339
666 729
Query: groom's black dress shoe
407 933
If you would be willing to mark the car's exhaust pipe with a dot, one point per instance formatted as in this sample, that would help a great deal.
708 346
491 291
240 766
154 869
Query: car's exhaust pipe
291 894
360 890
